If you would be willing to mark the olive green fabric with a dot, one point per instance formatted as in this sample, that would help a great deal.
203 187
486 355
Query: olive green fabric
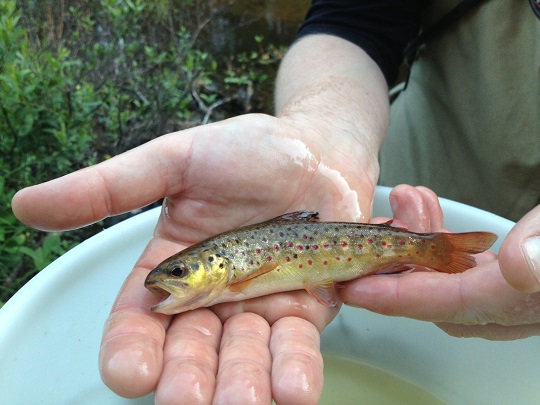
468 124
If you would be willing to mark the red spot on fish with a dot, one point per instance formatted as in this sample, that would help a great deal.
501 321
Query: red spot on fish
305 236
269 258
383 243
433 247
401 243
325 262
349 259
276 248
360 247
389 246
251 262
315 247
326 245
258 251
288 259
300 266
310 262
411 243
370 241
300 247
377 256
344 244
291 244
417 252
338 258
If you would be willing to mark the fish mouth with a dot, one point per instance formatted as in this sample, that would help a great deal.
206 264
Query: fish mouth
157 286
165 306
173 303
163 290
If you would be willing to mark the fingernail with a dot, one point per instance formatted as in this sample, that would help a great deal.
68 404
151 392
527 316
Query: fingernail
531 251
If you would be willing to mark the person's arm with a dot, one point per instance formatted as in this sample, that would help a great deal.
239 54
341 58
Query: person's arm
334 80
339 94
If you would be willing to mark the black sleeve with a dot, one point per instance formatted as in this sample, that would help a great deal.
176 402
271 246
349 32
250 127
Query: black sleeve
382 28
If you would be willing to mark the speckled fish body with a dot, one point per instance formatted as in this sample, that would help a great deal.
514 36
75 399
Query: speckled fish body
295 252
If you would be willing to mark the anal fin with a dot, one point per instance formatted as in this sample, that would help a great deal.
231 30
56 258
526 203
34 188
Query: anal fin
323 291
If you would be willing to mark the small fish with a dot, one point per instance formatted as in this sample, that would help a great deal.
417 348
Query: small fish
294 252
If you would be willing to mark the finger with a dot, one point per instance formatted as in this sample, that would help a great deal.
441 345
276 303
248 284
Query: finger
417 207
244 362
491 331
276 306
190 359
433 207
131 353
127 181
478 296
297 369
519 255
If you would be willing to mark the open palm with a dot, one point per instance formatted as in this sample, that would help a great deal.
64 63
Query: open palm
214 178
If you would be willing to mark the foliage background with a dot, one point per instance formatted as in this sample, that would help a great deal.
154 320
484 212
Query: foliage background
81 81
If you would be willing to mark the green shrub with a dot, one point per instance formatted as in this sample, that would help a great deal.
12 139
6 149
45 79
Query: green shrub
81 81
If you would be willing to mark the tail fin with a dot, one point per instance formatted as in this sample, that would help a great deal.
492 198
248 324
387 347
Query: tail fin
461 246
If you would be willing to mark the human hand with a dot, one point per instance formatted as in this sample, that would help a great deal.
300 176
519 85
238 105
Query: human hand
214 178
497 300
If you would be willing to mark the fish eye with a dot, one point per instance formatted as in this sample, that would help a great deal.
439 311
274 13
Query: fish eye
179 270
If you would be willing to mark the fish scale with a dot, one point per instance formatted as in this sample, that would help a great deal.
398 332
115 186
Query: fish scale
320 243
294 251
299 245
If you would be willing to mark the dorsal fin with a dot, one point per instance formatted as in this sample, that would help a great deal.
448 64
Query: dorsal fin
298 216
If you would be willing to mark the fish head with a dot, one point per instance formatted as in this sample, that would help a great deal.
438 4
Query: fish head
193 280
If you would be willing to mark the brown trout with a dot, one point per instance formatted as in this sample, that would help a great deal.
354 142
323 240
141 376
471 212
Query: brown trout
294 252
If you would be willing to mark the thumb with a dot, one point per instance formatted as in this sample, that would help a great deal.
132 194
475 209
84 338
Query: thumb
519 256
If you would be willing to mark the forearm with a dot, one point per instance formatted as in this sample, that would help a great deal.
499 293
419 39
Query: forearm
340 92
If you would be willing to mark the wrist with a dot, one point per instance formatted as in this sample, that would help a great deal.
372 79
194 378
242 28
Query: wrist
348 161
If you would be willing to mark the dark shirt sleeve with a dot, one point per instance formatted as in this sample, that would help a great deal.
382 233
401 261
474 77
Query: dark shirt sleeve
381 28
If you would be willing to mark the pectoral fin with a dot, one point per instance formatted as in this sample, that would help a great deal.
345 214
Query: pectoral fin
324 292
240 283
